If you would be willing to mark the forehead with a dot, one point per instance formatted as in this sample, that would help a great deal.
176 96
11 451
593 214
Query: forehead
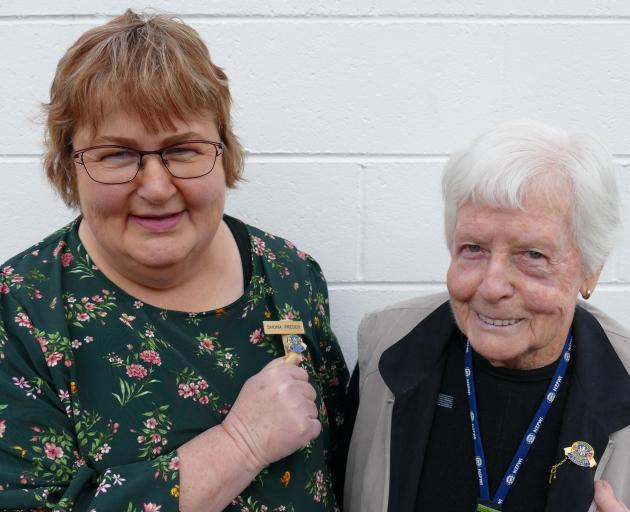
130 125
538 221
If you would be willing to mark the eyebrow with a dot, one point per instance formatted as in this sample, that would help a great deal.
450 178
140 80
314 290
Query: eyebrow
133 143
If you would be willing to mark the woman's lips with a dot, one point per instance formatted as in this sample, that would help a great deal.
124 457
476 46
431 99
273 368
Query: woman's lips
157 223
498 322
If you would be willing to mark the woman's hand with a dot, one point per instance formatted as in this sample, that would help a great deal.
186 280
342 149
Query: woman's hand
606 500
274 414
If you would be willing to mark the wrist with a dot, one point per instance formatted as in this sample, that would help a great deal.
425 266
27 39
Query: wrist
241 444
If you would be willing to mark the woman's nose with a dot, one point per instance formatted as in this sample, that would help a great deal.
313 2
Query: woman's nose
496 283
155 181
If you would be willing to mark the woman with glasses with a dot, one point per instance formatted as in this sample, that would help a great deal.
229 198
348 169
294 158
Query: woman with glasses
137 370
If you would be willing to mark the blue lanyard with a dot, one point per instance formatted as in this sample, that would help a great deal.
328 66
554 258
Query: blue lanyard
530 434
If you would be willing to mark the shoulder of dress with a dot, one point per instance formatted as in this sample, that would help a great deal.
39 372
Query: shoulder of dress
277 250
50 246
381 329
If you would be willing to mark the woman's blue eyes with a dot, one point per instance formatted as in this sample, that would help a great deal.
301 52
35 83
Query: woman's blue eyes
532 255
535 255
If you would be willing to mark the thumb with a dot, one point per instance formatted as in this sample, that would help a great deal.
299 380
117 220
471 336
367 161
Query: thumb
605 498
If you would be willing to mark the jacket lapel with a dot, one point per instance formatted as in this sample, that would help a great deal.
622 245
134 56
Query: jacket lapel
598 405
412 369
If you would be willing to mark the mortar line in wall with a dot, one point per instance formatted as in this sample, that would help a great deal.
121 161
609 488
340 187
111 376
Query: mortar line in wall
362 223
621 158
400 285
376 18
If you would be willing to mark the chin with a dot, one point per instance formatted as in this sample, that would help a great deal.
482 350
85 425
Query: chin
497 351
157 259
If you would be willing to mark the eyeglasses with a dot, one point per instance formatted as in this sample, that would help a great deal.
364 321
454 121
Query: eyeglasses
111 164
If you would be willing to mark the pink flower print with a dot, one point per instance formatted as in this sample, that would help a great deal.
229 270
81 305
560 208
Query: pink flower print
4 288
102 487
7 271
204 400
259 246
138 304
256 336
117 479
151 423
157 450
105 292
54 358
301 255
88 339
17 278
21 383
141 439
60 246
289 244
271 256
53 451
174 464
149 333
89 306
37 294
23 320
82 317
203 384
156 438
3 429
136 370
105 448
151 507
66 259
207 344
151 357
42 343
289 316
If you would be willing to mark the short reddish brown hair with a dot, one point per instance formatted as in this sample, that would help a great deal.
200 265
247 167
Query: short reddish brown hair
152 65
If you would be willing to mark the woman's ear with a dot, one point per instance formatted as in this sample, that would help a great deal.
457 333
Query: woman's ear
589 283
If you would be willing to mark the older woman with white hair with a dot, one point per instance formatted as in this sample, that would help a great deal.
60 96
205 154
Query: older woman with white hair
507 393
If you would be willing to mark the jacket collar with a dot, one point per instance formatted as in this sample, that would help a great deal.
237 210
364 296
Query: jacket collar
406 363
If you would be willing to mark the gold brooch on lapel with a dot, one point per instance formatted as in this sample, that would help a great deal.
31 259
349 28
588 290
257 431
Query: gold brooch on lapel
580 453
293 345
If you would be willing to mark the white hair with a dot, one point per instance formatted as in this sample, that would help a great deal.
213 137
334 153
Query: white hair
516 160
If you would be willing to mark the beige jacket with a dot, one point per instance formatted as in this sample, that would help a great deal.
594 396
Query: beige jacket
368 487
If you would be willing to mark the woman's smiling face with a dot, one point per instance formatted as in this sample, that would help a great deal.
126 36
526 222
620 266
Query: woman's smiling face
513 281
155 221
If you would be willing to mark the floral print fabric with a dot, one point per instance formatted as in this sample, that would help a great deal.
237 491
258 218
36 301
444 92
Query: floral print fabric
97 389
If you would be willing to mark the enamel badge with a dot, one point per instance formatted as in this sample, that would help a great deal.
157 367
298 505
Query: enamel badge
580 453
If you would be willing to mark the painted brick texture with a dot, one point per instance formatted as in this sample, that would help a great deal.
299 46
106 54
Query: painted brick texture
348 110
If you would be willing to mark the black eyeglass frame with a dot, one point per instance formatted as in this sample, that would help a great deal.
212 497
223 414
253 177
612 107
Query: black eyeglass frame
218 146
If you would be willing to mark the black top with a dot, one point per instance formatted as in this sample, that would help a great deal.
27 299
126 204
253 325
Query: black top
507 399
239 232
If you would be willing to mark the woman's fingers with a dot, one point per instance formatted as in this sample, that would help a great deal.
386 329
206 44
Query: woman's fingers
605 498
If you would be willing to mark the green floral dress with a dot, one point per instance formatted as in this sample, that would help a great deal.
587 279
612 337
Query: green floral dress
97 389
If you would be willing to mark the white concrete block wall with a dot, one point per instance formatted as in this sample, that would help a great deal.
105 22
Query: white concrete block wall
348 110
